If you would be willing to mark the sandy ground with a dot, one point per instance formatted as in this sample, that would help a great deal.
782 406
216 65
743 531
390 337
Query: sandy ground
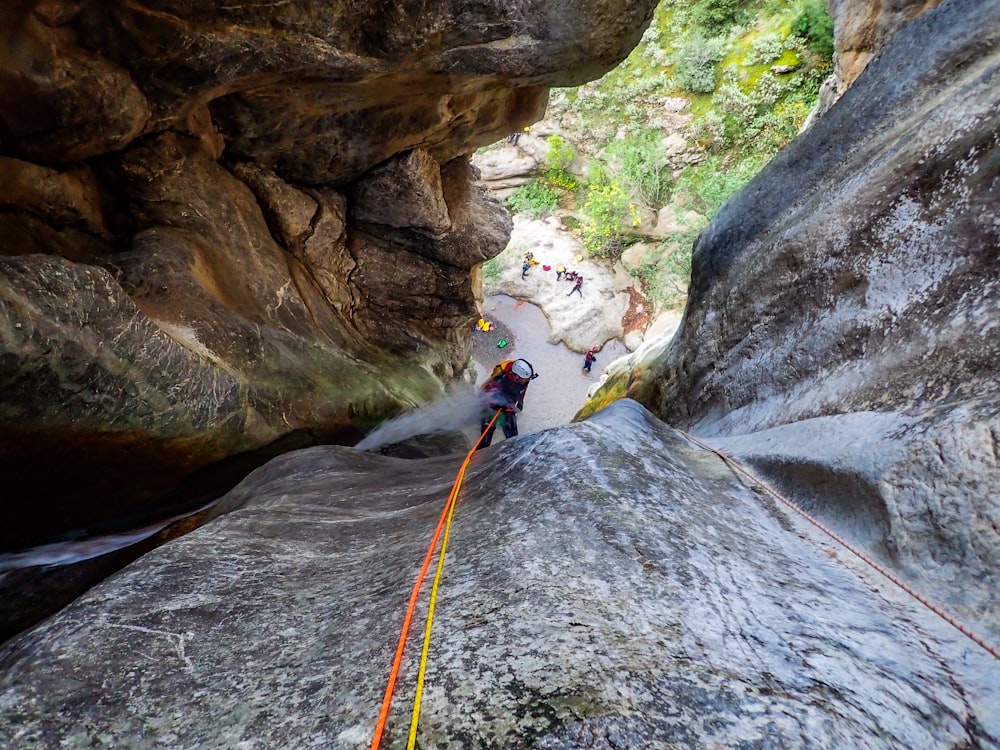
561 386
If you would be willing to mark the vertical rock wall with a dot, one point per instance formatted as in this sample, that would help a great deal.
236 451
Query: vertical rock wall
224 224
843 331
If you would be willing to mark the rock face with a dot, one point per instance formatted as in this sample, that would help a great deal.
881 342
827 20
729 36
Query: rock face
862 28
650 599
842 331
223 224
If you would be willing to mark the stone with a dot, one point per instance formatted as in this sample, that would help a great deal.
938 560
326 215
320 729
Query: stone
646 598
71 104
204 158
841 331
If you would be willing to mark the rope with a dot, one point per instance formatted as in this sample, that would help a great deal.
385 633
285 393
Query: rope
446 515
858 553
411 742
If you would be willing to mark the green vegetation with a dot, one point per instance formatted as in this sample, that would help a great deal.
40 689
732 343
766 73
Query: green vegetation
613 389
695 64
718 16
815 25
534 198
750 72
543 195
638 161
608 213
492 269
706 186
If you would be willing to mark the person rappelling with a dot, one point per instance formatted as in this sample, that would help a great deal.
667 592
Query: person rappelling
505 391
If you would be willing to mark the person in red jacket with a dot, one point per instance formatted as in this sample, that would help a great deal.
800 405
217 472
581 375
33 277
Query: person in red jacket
505 390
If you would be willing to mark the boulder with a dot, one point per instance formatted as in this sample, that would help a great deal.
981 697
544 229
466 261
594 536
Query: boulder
278 195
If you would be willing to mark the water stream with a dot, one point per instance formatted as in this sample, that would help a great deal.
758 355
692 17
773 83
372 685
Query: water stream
51 575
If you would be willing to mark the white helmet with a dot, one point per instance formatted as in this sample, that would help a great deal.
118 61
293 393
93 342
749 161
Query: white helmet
522 369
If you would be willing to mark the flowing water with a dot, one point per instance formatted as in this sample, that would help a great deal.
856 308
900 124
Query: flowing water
552 399
453 413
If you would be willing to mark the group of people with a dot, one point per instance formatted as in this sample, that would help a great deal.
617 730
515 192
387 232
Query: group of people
561 273
576 278
504 390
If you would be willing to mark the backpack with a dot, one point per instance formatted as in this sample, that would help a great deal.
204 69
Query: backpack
499 368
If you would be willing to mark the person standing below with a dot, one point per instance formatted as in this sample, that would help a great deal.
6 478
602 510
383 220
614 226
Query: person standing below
589 358
576 286
524 269
505 390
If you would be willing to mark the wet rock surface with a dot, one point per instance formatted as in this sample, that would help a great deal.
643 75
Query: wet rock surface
842 332
276 196
647 599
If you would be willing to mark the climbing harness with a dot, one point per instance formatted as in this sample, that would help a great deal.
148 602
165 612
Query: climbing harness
445 523
736 466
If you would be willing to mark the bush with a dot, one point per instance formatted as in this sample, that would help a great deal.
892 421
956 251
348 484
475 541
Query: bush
706 186
710 131
560 154
772 130
534 198
765 49
558 158
815 25
608 216
695 67
667 277
492 269
718 16
638 162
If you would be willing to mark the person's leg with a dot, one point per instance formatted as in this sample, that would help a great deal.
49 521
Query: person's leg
509 424
488 437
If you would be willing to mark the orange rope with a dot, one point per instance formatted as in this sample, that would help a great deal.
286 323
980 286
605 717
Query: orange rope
930 605
397 661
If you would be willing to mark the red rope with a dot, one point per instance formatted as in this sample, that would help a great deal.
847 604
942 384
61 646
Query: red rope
931 606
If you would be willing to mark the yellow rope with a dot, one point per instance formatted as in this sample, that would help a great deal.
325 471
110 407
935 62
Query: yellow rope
415 718
449 509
